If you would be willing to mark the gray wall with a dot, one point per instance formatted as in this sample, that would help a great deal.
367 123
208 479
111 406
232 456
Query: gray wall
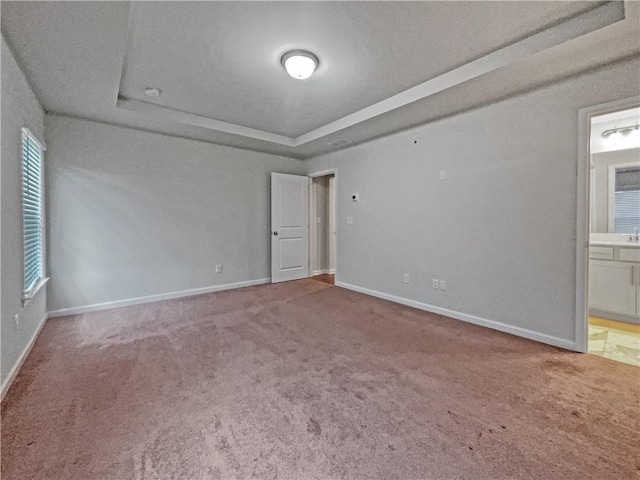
501 229
19 108
600 195
134 214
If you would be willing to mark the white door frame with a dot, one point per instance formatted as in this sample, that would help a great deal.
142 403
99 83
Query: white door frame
312 215
583 212
332 223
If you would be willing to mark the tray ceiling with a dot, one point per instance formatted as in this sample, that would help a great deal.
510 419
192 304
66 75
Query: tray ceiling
218 63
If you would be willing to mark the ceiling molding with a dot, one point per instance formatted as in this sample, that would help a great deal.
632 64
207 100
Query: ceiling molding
601 16
201 121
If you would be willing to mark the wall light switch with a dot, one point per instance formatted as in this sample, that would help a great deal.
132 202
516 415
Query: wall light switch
435 283
219 268
443 285
318 220
17 318
443 174
405 278
349 220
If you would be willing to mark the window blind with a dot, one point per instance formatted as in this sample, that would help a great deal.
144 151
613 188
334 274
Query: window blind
626 211
32 218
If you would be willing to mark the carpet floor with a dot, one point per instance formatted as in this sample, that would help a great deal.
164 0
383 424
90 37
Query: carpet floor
303 380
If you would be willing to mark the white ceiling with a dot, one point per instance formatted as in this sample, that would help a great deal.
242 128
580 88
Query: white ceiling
384 66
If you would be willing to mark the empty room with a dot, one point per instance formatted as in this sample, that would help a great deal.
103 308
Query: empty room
320 240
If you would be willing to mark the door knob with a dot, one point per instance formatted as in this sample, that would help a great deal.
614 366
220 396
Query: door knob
275 233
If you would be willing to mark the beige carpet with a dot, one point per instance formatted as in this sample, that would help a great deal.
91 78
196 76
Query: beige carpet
303 380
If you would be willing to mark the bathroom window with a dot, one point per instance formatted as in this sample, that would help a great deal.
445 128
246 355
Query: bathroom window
624 196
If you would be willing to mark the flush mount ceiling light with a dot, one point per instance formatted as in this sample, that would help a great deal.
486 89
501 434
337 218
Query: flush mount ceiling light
152 91
624 131
300 64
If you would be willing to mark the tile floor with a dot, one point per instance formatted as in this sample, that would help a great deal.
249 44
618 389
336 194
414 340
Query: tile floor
615 340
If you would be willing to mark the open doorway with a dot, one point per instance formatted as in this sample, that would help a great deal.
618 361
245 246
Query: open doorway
613 243
322 216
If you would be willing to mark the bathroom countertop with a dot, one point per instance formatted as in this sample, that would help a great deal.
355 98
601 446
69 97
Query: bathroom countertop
609 243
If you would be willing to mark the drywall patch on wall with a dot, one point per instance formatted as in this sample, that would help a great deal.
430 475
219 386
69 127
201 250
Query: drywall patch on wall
137 214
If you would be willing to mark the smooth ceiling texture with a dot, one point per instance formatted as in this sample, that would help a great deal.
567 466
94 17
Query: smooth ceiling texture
232 70
218 63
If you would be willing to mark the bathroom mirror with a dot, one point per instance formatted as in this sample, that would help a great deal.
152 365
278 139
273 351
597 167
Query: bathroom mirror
615 191
624 198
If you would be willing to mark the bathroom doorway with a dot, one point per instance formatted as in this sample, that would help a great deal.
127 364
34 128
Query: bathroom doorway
322 226
612 243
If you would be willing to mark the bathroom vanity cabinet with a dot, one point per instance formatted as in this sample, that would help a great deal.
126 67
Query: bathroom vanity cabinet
614 282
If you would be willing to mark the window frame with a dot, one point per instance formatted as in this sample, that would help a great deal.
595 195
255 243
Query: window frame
42 280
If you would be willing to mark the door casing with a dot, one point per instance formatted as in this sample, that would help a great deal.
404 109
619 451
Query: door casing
583 212
312 210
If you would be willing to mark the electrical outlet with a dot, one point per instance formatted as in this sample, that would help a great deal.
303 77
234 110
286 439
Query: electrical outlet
443 285
349 220
443 174
405 278
219 268
435 283
17 318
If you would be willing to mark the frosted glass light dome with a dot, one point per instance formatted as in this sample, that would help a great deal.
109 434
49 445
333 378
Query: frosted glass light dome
300 64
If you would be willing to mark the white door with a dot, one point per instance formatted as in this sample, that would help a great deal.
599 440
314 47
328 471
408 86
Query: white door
289 227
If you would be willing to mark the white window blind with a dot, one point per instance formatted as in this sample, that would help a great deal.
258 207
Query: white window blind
32 211
627 211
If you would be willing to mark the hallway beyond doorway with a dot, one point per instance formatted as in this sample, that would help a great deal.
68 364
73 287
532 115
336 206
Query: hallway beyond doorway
325 277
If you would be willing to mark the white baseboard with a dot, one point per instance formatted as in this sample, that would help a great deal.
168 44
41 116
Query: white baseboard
6 385
332 271
483 322
594 312
154 298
